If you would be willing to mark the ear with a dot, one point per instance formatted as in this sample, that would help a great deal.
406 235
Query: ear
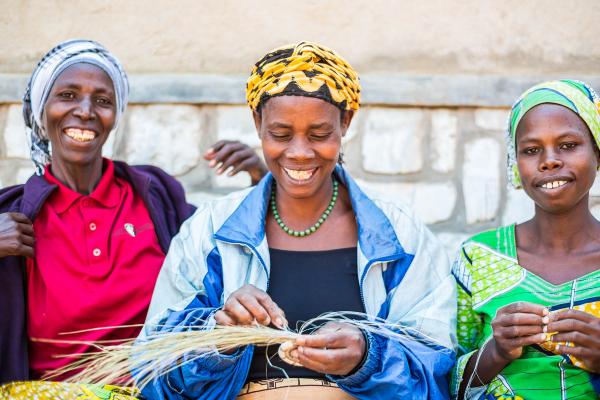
256 115
346 120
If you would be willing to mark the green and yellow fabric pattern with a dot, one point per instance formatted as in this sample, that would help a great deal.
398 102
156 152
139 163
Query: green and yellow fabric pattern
43 390
489 277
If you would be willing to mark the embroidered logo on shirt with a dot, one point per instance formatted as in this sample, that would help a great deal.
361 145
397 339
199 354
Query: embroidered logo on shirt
129 228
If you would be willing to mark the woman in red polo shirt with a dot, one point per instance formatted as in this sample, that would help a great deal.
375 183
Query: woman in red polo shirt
91 233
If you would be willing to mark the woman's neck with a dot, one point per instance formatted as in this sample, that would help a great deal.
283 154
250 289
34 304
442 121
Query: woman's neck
303 210
562 233
79 178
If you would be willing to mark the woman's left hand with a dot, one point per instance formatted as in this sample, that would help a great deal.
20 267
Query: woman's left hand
235 156
335 349
581 329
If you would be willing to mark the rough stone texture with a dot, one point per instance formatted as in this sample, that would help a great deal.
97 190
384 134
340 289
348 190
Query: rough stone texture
452 242
15 139
167 136
196 198
444 133
23 173
518 207
15 171
236 123
391 89
481 180
392 141
595 210
229 36
432 202
238 181
595 190
491 119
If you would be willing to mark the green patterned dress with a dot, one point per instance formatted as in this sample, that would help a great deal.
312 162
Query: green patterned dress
489 277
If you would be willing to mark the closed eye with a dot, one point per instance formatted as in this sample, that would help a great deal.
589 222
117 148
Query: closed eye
321 136
279 135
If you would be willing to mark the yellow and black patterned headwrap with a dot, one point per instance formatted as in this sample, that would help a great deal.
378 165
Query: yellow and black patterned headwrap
304 69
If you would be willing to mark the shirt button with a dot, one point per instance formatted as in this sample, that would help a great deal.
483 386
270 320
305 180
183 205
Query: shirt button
96 252
85 202
92 226
247 250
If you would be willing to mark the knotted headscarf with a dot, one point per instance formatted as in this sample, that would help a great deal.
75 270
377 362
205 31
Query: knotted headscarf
45 74
304 69
575 95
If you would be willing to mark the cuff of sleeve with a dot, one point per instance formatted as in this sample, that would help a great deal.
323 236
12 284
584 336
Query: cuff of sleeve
595 381
368 366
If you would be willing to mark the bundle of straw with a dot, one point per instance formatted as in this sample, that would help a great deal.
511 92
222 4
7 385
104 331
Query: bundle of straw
164 352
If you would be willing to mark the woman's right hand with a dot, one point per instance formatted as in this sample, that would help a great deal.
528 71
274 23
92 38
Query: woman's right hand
248 306
16 235
518 325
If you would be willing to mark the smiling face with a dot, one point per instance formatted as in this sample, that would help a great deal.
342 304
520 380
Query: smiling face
301 141
556 157
79 114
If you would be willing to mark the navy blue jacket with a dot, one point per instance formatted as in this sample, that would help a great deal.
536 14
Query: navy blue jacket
165 200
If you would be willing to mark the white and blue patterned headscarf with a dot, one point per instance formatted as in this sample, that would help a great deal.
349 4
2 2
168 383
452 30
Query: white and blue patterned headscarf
47 71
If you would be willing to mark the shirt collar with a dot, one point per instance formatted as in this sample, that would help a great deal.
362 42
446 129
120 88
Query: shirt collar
376 235
107 192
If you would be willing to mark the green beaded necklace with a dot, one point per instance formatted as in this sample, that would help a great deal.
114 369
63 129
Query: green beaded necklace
312 229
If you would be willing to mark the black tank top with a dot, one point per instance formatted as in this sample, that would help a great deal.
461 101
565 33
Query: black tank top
305 284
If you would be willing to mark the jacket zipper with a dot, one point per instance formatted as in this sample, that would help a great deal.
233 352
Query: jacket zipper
367 268
252 249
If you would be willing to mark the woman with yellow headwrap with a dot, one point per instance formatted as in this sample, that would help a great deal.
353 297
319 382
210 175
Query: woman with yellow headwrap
306 240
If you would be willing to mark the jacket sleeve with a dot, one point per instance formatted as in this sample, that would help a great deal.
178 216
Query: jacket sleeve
424 302
188 292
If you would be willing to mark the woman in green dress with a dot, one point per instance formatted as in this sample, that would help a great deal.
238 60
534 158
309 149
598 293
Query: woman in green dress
529 294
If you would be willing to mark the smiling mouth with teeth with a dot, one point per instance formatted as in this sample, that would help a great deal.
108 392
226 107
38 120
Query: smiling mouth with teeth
80 135
300 175
554 184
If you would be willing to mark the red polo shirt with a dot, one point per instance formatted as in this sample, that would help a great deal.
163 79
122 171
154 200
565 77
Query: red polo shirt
97 258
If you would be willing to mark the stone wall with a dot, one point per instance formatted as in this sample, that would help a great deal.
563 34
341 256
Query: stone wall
438 79
446 163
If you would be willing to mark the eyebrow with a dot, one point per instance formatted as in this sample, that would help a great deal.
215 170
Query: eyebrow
318 125
570 133
279 125
75 85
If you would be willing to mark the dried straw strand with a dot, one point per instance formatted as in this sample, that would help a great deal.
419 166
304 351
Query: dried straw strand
163 352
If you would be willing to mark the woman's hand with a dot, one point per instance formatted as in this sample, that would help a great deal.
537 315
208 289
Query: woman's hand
249 306
16 235
581 329
515 326
518 325
238 156
335 349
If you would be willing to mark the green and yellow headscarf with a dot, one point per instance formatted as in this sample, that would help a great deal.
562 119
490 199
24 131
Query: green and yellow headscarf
575 95
304 69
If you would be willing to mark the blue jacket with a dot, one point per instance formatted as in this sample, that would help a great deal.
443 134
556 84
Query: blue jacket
404 277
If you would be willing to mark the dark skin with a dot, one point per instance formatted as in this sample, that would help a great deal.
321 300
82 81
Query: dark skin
303 134
553 145
78 117
232 156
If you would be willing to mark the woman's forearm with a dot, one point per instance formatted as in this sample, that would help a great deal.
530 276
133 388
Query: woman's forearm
485 365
